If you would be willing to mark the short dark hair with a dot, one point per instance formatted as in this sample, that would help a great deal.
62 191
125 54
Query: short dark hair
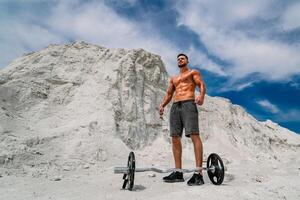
182 54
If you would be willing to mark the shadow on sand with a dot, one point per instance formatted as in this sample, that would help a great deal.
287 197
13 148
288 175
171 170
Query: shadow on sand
138 188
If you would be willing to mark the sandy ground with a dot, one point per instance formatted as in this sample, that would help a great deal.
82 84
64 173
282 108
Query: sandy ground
243 180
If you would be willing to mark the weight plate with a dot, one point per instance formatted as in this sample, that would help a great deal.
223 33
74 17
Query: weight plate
216 175
131 166
129 176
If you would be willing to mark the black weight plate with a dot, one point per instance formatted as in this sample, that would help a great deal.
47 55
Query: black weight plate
216 176
131 166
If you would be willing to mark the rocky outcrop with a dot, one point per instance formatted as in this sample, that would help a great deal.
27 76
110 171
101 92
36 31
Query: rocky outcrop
68 102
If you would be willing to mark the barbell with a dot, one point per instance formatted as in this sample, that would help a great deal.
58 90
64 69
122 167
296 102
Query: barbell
214 167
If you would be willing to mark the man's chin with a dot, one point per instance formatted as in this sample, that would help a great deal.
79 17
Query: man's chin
180 66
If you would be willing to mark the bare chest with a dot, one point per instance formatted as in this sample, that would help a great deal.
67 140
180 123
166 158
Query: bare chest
184 79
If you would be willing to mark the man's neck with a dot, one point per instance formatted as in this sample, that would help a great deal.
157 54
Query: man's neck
184 69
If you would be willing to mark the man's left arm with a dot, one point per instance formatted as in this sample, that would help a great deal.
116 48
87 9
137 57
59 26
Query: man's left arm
200 83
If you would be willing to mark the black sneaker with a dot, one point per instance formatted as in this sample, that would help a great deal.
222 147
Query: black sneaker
174 177
196 179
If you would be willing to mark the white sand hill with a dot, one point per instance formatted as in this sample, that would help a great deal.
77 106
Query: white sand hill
70 113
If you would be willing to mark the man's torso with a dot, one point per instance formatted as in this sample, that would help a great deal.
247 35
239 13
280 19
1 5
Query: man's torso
184 86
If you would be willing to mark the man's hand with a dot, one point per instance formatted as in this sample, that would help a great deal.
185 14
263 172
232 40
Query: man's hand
161 111
199 100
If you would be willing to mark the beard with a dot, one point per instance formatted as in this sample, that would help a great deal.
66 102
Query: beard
181 65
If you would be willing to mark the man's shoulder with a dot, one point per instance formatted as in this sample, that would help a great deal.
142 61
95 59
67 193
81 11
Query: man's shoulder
195 71
173 77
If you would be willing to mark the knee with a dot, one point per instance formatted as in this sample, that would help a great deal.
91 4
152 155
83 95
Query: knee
176 140
195 138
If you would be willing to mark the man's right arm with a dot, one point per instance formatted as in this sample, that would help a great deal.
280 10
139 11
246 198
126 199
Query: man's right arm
168 96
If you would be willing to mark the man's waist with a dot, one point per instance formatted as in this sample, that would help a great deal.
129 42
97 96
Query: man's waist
183 101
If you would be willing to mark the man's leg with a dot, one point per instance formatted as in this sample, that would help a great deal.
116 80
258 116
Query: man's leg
176 128
177 151
198 149
177 175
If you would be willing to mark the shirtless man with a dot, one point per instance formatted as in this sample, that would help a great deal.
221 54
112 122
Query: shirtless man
184 114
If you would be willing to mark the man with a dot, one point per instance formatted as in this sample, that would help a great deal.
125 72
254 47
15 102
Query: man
184 114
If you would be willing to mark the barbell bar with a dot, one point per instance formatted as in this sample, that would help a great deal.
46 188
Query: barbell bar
125 170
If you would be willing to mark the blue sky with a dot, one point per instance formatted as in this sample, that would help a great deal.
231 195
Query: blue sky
247 51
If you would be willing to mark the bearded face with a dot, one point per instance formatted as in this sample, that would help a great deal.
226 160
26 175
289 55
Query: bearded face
182 61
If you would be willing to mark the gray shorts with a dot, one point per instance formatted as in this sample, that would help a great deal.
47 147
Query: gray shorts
184 114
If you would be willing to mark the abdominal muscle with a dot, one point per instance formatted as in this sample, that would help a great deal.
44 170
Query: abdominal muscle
184 89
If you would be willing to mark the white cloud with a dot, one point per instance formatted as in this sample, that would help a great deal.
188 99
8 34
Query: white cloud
268 105
291 115
214 21
244 85
18 37
291 17
99 24
217 25
93 22
295 85
107 28
199 58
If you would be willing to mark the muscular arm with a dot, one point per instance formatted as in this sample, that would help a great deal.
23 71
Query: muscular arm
167 98
169 94
200 83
